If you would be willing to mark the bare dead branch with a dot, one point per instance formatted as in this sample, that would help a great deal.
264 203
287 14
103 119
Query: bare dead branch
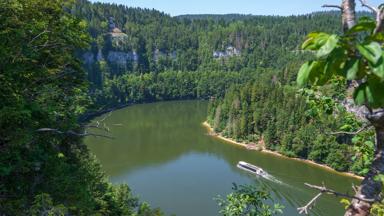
37 36
73 133
100 124
305 209
379 12
97 127
332 6
352 133
106 116
364 3
119 125
323 190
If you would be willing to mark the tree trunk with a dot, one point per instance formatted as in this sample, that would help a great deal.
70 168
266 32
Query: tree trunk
379 22
371 189
348 14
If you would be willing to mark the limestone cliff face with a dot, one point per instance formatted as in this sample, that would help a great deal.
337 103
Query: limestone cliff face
121 58
229 52
90 57
119 51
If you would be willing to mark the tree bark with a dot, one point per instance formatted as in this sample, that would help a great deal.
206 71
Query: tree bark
348 14
379 21
371 189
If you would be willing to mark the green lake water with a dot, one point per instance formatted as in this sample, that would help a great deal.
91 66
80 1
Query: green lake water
164 154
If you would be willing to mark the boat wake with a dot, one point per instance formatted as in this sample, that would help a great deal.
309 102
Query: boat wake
272 179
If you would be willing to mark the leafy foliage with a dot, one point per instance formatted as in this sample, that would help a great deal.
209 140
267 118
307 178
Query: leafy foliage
43 86
350 56
249 201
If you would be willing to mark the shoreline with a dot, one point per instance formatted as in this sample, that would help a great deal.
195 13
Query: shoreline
277 154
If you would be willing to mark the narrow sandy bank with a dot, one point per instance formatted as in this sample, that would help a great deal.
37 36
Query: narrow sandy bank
323 166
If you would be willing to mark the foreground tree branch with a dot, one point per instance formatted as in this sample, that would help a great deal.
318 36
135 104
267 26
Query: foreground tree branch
347 8
379 13
72 133
324 190
365 4
352 133
371 188
305 209
100 124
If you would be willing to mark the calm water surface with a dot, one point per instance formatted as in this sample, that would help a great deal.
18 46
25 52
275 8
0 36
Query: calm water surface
165 155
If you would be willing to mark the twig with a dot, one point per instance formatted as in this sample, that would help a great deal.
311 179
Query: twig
98 123
332 6
324 190
379 12
309 205
37 36
73 133
352 133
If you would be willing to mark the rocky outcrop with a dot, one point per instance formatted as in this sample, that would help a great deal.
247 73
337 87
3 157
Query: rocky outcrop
121 58
229 52
359 111
119 51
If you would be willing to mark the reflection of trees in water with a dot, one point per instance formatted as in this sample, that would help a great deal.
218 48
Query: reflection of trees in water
152 135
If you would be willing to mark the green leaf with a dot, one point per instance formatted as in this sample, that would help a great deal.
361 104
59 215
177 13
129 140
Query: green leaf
351 69
328 47
346 127
309 41
304 72
60 155
372 51
365 24
378 68
375 92
379 178
345 202
315 40
370 93
359 94
321 72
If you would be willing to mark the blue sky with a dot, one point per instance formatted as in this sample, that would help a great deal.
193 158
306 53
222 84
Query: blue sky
256 7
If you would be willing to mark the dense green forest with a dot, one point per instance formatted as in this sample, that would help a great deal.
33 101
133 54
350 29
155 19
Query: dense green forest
45 169
202 56
141 55
294 123
59 61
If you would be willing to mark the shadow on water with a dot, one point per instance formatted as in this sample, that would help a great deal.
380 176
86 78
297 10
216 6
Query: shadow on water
162 151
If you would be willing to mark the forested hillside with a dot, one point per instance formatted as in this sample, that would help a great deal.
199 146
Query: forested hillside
45 169
272 114
139 55
135 53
